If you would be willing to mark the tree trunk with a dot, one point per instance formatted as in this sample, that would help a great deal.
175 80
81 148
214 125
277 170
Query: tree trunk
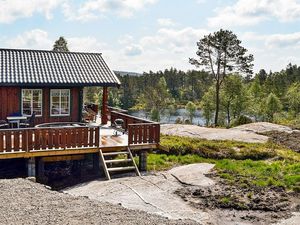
217 102
228 115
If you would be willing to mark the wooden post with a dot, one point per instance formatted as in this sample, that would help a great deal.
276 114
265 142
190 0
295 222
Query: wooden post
80 104
143 160
104 111
41 178
31 168
96 164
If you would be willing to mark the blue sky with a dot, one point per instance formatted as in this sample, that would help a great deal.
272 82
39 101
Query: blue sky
143 35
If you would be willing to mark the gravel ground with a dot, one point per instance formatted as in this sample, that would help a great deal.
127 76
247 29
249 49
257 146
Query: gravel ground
25 202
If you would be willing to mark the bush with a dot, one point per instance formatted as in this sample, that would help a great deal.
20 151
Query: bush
178 120
187 121
241 120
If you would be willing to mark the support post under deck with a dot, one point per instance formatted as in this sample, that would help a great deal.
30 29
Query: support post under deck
143 161
31 167
97 167
41 178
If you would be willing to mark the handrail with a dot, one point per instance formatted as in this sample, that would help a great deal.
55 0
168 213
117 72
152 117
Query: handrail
146 133
134 117
117 109
140 131
42 128
49 138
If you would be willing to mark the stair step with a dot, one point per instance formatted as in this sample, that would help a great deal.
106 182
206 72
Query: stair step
121 168
118 160
114 153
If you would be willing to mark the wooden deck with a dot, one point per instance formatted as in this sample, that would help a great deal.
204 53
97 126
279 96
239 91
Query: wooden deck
40 142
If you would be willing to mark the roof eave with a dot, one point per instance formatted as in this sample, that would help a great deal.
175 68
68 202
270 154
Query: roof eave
60 85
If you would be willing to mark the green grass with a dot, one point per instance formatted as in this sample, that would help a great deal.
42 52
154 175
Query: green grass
281 173
263 165
164 162
226 149
260 173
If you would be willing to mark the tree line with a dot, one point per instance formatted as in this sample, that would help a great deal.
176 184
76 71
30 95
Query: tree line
223 87
265 96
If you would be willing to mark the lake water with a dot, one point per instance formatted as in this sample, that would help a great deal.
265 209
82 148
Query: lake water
180 113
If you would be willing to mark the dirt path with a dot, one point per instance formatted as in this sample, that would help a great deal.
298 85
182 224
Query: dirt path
25 202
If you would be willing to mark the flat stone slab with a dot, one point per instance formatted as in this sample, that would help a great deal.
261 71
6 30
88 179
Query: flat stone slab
193 174
212 133
152 193
261 127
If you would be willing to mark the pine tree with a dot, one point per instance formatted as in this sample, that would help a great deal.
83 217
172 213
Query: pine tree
221 53
60 45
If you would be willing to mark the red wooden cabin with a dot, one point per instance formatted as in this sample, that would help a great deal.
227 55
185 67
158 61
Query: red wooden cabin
50 85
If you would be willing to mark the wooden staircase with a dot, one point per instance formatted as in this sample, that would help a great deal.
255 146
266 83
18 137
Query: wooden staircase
110 164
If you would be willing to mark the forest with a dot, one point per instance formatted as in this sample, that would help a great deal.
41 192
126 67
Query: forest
265 96
223 87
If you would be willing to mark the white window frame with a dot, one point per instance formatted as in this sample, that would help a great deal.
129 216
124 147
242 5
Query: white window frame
60 90
31 101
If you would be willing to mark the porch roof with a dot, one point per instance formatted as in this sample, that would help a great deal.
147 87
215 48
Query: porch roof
20 67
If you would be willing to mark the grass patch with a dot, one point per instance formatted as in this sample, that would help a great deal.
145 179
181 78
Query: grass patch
238 163
226 149
285 174
260 173
158 162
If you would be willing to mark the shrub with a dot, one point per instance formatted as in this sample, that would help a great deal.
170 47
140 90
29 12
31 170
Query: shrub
178 120
241 120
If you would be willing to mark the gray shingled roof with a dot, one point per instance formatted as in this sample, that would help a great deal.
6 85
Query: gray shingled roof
47 68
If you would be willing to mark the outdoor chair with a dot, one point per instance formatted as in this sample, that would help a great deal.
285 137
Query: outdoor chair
29 122
3 124
118 125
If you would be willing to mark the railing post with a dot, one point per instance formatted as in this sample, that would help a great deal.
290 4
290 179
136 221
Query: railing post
97 137
158 133
130 135
104 111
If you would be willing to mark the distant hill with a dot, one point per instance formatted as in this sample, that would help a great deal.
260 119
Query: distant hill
123 73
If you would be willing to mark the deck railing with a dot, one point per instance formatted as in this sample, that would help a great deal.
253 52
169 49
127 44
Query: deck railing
140 131
36 139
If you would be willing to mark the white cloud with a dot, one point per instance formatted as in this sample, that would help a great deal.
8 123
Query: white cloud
167 47
244 13
283 40
166 22
273 51
94 9
12 10
133 50
33 39
173 40
85 44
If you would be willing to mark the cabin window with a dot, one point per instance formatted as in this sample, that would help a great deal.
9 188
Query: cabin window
32 102
60 102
